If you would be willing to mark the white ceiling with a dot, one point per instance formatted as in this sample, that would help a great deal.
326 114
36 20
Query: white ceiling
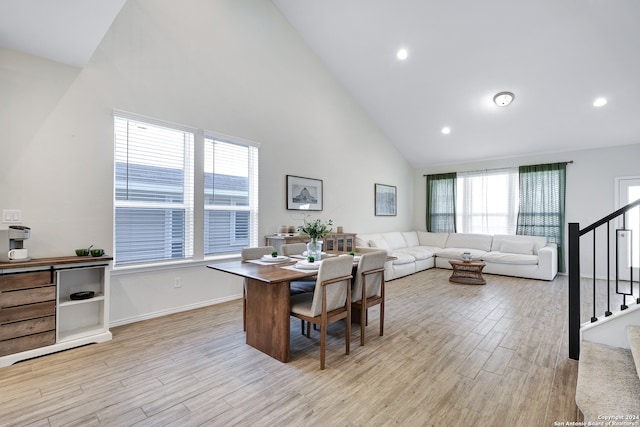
66 31
557 56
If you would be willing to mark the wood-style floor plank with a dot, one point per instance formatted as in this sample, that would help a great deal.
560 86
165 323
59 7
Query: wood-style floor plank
451 355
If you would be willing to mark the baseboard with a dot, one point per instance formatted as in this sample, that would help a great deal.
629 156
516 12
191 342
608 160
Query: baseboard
173 310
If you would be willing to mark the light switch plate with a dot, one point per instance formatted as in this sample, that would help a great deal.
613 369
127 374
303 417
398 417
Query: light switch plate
11 216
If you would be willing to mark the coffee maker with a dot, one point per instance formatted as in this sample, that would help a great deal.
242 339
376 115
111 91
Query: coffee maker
11 239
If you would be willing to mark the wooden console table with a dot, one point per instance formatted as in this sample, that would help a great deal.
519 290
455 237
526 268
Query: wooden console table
334 242
467 272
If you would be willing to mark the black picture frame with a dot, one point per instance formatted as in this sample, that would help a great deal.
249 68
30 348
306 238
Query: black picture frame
304 194
386 200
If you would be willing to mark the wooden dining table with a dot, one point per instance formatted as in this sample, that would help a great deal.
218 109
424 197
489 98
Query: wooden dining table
268 299
268 302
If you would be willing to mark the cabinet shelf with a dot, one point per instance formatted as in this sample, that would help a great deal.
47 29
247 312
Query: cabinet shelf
78 333
65 301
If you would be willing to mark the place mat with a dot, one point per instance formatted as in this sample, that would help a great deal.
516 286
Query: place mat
306 270
301 256
258 261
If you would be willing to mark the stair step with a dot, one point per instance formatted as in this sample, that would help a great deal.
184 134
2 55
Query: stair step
608 382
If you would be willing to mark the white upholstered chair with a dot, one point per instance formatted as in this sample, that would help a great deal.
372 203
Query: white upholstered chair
368 288
330 302
300 286
247 254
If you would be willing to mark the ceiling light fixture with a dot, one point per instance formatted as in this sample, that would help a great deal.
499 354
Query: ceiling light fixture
446 130
599 102
402 54
503 99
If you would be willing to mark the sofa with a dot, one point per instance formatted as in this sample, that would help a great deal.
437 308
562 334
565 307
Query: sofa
509 255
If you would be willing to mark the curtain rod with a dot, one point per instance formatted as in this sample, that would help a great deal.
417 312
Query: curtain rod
507 167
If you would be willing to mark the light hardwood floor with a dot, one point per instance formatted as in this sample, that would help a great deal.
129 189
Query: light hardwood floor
452 355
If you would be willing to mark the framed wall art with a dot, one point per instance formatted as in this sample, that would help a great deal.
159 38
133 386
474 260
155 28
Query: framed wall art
304 194
386 200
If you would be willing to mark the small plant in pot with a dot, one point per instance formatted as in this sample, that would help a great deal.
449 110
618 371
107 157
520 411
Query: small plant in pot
311 259
274 254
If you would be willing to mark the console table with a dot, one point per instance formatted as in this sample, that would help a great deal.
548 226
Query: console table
334 242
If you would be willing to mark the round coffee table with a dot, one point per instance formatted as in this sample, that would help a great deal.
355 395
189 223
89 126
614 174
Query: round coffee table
467 272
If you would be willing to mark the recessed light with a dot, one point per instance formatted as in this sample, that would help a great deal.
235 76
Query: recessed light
446 130
402 54
503 99
599 102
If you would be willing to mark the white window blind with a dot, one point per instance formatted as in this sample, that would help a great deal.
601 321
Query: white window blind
153 191
487 201
230 196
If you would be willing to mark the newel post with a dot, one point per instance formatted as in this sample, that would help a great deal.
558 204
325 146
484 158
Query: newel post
574 290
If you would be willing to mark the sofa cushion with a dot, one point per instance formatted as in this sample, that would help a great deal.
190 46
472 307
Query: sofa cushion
510 258
523 247
380 244
402 258
395 240
438 240
362 240
418 252
470 241
410 238
538 241
456 253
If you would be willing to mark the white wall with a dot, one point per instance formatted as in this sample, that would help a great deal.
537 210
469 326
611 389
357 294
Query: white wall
590 189
234 67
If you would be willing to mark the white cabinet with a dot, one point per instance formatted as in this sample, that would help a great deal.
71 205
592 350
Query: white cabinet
34 293
81 318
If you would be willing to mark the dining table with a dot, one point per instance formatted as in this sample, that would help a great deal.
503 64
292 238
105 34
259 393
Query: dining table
268 301
268 298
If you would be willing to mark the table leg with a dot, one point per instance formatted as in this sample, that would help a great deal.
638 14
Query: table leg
268 314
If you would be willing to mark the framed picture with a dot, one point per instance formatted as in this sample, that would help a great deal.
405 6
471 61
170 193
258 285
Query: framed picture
304 194
385 200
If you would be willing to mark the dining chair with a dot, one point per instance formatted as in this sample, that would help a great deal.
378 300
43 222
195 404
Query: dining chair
248 254
306 284
330 301
368 288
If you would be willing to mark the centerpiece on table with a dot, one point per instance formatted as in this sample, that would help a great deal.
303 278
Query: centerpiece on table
315 230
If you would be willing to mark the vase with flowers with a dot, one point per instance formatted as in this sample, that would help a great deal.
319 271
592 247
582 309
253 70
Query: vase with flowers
315 230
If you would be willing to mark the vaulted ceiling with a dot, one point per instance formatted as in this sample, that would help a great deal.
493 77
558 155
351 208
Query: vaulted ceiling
557 57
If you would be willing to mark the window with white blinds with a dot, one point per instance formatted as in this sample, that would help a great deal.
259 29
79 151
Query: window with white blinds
230 196
153 191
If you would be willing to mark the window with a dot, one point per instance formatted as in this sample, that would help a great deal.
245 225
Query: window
487 201
230 196
155 193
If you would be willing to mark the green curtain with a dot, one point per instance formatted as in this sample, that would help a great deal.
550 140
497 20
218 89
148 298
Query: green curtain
542 200
441 203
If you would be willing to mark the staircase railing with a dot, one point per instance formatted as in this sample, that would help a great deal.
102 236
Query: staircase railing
575 275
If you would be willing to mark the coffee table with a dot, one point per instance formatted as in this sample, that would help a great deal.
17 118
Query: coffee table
467 272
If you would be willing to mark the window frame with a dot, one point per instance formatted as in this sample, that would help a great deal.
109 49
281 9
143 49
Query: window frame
194 196
253 191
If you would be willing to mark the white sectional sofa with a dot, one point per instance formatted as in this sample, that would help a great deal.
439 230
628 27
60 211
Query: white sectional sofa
509 255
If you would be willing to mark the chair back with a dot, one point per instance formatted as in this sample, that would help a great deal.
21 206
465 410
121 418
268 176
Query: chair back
257 252
293 248
368 261
332 268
